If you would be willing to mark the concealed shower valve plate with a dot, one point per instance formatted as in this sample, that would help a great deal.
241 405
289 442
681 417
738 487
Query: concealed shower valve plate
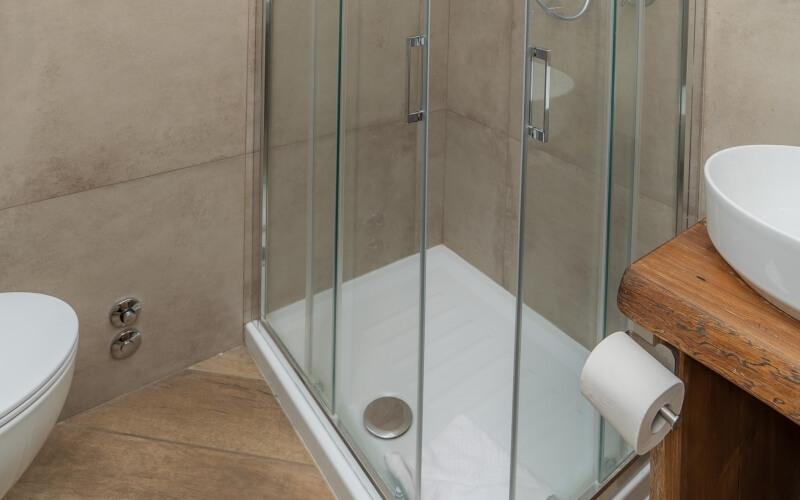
388 417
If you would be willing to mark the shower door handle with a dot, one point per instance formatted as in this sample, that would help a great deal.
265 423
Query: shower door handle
540 134
411 42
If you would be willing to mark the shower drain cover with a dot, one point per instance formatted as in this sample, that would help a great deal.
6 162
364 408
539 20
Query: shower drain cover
387 417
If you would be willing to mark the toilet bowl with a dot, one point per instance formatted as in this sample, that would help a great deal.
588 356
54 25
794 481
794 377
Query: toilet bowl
38 342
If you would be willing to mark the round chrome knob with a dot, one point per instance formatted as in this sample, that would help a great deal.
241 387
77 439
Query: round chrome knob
128 316
126 343
125 312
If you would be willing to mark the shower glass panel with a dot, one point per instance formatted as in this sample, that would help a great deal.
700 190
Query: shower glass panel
424 246
344 177
563 248
301 179
344 167
382 162
646 153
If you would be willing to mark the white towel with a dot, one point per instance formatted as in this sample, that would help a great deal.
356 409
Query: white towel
464 463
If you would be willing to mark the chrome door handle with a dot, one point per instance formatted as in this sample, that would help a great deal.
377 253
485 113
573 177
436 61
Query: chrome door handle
540 134
411 42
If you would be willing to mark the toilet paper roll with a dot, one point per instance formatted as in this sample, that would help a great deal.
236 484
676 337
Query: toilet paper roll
628 387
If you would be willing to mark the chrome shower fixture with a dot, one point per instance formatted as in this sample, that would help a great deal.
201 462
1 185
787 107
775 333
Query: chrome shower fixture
623 3
551 11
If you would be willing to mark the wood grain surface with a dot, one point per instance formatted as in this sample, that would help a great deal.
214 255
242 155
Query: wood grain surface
728 445
211 431
687 295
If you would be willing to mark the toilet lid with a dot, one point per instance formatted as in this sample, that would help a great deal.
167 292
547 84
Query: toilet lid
37 336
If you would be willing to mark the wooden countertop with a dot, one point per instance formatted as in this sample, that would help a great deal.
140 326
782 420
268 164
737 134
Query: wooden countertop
688 296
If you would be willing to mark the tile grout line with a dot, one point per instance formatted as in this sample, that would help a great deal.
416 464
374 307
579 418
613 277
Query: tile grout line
206 370
156 174
185 444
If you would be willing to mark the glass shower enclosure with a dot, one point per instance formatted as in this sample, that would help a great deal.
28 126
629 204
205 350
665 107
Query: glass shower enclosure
451 191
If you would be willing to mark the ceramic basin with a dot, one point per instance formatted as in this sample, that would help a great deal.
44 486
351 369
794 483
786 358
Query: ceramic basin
753 212
561 83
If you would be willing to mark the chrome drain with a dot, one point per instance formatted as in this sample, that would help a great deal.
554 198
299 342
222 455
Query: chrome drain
387 417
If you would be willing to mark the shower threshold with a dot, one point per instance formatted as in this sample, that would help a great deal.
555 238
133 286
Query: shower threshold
469 353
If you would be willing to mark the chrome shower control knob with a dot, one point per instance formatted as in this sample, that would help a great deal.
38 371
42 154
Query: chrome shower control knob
125 312
128 316
126 343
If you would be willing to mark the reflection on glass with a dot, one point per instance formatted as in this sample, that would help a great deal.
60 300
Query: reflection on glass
346 179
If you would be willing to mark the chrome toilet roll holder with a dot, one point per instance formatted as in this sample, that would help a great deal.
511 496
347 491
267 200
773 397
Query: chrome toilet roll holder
667 356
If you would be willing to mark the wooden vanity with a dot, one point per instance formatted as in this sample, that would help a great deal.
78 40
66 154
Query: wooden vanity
739 356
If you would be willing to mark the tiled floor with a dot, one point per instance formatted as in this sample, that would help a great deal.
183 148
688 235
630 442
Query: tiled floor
211 431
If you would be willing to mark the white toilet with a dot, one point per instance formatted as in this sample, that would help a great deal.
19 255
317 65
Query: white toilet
38 342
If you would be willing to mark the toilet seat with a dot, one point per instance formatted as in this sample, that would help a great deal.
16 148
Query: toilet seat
38 339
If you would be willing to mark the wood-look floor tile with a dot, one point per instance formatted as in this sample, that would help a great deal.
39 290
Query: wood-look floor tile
78 462
237 362
206 409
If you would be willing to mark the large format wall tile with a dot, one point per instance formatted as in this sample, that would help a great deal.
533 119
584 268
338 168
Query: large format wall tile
437 144
376 60
661 102
98 92
287 170
379 183
254 106
288 201
579 118
304 44
289 68
656 225
479 61
173 240
475 194
511 238
380 188
751 101
563 244
439 48
517 47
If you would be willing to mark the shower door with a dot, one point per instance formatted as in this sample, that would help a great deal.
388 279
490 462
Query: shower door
344 175
450 200
566 150
382 163
601 122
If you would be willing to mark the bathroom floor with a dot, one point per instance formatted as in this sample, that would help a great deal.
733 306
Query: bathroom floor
213 430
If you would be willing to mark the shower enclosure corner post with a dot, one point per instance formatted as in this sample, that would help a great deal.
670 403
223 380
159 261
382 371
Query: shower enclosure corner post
423 240
260 139
525 106
689 206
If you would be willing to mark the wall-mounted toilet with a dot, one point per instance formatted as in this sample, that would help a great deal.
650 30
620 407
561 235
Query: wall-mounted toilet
38 342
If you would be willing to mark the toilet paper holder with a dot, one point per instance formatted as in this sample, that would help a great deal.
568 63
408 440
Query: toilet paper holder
669 416
667 356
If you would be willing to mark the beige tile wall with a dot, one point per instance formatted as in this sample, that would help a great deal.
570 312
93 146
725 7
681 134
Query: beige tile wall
380 173
750 100
123 141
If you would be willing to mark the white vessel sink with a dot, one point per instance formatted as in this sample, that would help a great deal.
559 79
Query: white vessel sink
560 83
753 212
